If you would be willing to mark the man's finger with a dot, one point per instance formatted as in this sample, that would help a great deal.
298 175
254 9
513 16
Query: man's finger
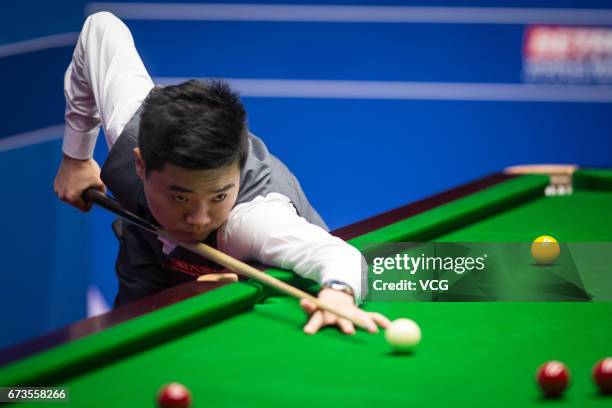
367 319
84 206
346 326
101 187
218 277
98 186
75 201
314 324
80 204
76 197
308 306
381 320
373 328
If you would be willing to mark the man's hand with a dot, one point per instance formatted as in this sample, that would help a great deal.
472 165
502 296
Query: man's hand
74 177
218 277
344 302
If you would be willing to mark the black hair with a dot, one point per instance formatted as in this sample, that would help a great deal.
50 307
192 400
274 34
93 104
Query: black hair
197 125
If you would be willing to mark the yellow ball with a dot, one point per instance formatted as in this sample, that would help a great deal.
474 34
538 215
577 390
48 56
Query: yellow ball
545 250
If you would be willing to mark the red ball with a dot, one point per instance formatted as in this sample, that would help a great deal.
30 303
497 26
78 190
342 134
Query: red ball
602 375
174 395
553 378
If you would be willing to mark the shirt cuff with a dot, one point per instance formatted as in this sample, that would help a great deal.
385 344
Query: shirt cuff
350 260
79 145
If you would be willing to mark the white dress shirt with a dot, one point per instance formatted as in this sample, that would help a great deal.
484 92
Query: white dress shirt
105 84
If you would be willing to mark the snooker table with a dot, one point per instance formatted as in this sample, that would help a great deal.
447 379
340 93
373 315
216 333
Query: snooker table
240 344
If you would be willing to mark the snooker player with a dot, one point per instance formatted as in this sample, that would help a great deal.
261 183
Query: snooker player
182 157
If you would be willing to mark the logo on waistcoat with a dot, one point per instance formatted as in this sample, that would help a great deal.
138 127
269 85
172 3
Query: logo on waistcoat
189 268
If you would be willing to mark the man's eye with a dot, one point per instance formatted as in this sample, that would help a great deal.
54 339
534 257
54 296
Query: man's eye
219 198
180 199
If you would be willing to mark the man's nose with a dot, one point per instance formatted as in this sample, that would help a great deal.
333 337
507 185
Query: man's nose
199 218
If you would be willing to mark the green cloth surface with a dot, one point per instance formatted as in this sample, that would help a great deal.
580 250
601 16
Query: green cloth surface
585 216
472 354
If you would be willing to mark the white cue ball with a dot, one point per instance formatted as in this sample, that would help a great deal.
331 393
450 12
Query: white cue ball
403 335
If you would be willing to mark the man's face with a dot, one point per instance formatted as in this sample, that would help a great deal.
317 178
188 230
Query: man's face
189 204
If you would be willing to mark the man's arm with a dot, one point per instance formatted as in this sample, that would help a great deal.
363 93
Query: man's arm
105 83
269 230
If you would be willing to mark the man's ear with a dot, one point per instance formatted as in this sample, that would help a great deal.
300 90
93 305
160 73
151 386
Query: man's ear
140 166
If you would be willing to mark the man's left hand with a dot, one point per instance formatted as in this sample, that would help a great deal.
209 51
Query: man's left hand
344 302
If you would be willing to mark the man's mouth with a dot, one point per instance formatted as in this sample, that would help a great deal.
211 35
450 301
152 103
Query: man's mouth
187 236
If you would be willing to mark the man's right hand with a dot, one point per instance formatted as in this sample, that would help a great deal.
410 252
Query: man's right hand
73 177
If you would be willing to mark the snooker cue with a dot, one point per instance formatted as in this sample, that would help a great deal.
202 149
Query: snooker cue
98 197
